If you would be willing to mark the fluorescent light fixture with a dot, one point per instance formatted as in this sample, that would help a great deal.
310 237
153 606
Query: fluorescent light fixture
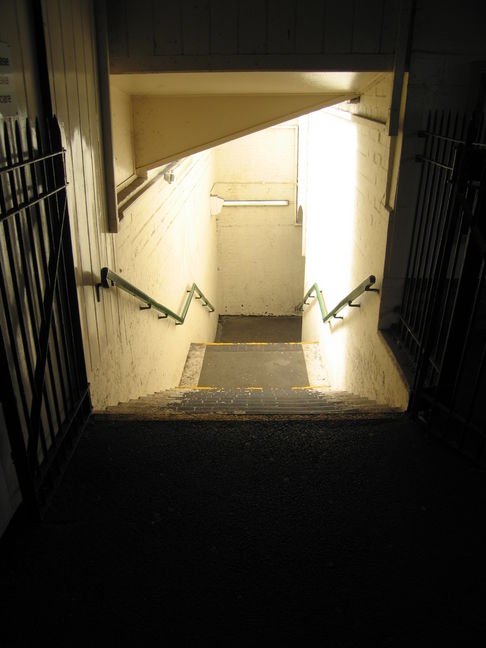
255 203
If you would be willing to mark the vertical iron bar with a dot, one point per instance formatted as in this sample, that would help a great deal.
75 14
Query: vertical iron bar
457 152
15 354
409 298
429 210
413 247
465 343
443 263
24 194
8 320
56 173
70 280
454 248
51 205
441 213
15 286
14 431
44 339
40 367
43 257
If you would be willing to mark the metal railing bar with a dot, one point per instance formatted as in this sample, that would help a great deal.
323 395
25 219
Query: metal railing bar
62 432
426 235
29 277
65 357
108 275
431 399
15 355
447 138
43 257
429 346
457 270
19 165
452 286
465 341
442 211
431 173
30 203
433 233
52 209
67 310
364 286
14 426
453 223
13 274
69 305
44 336
452 140
408 297
409 331
434 163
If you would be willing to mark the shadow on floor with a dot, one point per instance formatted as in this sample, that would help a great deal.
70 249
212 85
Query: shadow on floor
195 534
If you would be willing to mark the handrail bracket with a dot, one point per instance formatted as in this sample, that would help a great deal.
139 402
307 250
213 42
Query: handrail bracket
314 291
108 276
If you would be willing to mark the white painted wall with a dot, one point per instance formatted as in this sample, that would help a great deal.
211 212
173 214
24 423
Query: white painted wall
260 265
122 132
166 239
346 234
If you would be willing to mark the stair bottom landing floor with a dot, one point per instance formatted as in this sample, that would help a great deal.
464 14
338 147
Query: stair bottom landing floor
254 365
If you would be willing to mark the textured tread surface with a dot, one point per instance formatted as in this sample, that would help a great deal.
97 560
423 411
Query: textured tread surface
223 404
251 380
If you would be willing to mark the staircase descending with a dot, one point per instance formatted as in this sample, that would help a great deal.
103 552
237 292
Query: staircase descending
252 380
248 404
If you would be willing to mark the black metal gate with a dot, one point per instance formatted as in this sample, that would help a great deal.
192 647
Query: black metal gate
44 387
443 317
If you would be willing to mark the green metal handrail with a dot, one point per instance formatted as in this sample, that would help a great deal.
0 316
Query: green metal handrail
108 275
364 286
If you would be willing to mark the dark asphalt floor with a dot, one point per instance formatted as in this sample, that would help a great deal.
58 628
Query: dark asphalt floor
217 534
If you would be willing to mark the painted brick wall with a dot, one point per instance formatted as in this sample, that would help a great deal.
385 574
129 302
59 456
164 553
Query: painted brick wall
374 102
347 225
167 240
260 266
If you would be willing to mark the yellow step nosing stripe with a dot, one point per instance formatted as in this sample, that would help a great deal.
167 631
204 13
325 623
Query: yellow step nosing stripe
215 388
313 387
248 387
250 343
194 387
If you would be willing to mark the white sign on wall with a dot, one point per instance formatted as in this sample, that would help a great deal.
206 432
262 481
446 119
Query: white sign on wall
8 101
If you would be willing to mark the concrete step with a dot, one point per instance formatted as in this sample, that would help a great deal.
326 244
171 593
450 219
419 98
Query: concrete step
249 380
254 364
223 404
